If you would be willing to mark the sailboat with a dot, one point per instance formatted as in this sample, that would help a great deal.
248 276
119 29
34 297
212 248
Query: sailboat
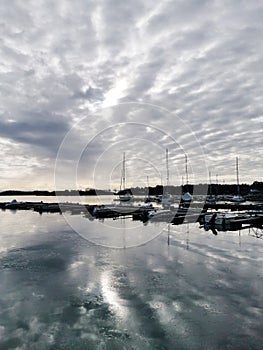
210 198
237 198
165 213
148 198
126 196
186 196
166 200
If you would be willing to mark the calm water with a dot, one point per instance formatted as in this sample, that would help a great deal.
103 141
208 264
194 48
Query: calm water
59 290
55 199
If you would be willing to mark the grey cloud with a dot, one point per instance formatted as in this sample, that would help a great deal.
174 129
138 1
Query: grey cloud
90 94
178 14
199 59
36 129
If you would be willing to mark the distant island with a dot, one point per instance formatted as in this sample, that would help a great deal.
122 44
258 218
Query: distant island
90 192
200 189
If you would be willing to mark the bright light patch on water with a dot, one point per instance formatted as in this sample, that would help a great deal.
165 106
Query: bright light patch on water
111 296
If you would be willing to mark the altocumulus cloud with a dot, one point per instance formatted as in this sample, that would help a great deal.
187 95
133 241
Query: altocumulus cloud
63 61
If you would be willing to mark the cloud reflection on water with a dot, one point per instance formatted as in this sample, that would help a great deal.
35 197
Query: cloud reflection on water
58 289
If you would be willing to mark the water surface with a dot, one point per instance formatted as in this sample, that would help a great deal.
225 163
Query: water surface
61 291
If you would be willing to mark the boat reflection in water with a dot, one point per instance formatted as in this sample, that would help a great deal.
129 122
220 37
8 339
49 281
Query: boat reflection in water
170 286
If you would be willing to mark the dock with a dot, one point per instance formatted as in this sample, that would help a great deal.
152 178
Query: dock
250 214
233 206
97 211
41 207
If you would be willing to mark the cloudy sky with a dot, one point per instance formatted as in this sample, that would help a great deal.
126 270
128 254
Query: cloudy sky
82 82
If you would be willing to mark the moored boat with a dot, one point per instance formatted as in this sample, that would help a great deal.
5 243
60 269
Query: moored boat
237 198
124 194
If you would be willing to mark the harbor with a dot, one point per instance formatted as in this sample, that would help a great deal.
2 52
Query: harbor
234 214
127 284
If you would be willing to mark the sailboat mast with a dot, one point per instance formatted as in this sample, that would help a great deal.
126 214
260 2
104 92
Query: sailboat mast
123 172
210 183
238 190
186 169
121 180
123 185
167 169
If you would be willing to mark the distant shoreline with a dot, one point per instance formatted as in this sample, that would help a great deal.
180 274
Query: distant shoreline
55 193
199 189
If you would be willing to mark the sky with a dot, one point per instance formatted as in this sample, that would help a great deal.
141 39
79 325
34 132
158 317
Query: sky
83 82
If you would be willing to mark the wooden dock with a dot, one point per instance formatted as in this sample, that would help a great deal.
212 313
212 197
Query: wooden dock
42 207
98 211
177 216
233 206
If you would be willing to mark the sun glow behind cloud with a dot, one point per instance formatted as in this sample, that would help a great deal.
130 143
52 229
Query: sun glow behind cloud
113 96
199 60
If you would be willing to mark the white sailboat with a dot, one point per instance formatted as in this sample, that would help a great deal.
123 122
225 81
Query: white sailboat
148 198
237 198
125 197
210 198
186 196
166 200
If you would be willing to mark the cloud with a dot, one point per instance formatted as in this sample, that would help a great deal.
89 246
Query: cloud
200 60
36 129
